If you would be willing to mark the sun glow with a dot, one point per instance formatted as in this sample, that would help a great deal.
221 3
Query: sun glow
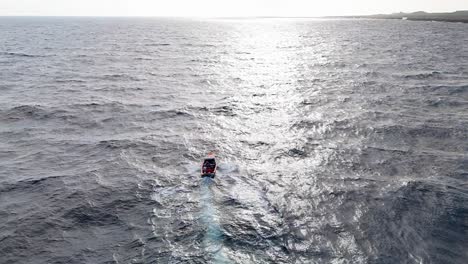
221 8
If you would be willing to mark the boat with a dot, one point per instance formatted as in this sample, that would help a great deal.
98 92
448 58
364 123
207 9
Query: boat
209 166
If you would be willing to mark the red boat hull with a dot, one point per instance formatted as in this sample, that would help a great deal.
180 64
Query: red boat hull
209 166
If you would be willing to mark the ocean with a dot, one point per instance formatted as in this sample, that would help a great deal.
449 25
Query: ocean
338 140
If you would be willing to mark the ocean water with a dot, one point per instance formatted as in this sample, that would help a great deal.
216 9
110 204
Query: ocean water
338 141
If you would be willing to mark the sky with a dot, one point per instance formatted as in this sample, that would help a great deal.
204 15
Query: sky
222 8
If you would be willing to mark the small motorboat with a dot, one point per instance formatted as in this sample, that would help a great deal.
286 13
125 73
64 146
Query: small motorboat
209 166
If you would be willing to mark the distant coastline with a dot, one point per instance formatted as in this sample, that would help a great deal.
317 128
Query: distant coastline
460 16
457 16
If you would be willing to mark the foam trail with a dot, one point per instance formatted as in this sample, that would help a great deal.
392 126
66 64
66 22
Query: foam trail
213 240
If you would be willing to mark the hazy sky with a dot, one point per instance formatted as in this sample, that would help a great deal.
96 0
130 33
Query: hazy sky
222 7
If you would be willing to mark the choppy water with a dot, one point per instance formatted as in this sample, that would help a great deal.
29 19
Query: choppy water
339 141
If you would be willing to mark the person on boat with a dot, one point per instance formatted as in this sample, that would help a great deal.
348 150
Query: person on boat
208 166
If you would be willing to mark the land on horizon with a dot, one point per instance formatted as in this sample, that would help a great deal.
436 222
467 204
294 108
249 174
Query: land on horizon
457 16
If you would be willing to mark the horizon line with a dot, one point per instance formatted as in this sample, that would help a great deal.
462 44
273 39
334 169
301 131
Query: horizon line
219 17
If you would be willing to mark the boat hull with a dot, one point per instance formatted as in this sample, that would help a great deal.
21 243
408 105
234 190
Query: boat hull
210 175
208 167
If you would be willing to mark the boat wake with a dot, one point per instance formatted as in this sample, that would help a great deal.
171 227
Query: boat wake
213 238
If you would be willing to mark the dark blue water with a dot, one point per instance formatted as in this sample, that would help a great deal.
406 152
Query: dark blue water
339 141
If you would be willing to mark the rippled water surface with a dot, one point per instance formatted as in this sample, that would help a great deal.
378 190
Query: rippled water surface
339 141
